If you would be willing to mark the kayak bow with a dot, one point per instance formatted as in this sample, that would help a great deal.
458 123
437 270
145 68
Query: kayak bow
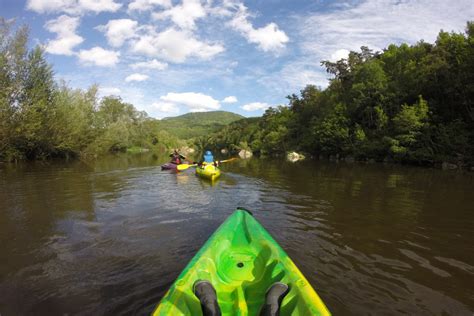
241 260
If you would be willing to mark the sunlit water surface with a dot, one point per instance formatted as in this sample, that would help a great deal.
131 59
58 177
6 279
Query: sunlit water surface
110 237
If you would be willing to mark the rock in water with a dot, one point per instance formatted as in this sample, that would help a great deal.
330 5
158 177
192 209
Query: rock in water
244 154
294 156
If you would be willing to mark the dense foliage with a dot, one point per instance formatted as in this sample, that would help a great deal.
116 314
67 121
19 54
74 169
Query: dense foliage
408 103
197 124
40 118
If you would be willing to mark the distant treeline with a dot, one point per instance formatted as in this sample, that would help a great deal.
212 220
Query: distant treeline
40 118
408 103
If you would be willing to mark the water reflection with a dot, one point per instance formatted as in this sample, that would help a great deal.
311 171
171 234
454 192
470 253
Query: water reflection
109 237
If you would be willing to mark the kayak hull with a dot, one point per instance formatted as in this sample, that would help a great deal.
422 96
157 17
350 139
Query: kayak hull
171 166
208 171
242 261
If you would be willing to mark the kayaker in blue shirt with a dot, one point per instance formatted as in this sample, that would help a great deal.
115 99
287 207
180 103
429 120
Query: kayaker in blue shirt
208 157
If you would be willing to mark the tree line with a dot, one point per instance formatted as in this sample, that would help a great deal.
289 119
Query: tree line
41 118
407 103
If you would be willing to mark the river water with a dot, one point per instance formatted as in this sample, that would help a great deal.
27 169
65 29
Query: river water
109 237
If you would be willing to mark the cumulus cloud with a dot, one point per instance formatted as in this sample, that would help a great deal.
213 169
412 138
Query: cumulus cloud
268 38
72 6
183 15
147 5
254 106
339 54
150 64
230 99
136 77
66 37
167 107
174 46
196 102
98 56
118 31
104 91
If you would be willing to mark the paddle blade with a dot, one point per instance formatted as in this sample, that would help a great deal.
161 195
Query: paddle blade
184 166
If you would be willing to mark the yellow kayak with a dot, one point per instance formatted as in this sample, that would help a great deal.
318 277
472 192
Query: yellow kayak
208 171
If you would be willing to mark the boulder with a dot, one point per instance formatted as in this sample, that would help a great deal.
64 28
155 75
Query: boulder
294 156
349 159
244 154
448 166
186 150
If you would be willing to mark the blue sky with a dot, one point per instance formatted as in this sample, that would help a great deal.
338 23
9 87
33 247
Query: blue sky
170 57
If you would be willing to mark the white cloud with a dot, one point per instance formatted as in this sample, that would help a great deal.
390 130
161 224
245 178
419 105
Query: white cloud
230 99
151 64
377 23
254 106
136 77
105 91
268 38
174 46
66 37
72 6
166 107
183 15
118 31
339 54
99 57
147 5
196 102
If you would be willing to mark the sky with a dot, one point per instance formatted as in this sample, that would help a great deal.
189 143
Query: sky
171 57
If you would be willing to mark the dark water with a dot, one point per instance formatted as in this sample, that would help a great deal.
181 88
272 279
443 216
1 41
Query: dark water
110 237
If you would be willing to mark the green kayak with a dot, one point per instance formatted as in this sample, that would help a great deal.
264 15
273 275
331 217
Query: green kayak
241 261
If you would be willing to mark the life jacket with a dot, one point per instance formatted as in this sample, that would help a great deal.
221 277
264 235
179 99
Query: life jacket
208 158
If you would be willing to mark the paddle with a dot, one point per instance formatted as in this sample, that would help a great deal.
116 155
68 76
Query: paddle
227 160
185 166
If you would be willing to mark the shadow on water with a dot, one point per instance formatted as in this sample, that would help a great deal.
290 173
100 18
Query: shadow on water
110 236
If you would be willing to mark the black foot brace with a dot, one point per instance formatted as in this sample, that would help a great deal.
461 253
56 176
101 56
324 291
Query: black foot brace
273 298
206 293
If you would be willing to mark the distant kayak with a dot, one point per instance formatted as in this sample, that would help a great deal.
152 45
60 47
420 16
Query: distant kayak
172 166
169 166
208 171
240 263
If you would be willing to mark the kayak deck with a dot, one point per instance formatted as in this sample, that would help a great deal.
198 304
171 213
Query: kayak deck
242 261
208 171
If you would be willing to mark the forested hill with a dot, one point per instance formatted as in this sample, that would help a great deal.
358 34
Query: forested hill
197 124
408 103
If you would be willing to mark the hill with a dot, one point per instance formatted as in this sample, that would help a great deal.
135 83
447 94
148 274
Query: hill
198 124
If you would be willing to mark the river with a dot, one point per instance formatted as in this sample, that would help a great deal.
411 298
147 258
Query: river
110 236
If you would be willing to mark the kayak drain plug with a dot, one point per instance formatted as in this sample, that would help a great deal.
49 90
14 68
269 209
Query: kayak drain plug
240 264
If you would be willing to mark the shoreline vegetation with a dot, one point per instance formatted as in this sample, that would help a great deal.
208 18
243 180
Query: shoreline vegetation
410 104
407 104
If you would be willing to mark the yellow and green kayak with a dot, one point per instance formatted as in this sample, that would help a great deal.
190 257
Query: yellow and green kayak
208 171
241 261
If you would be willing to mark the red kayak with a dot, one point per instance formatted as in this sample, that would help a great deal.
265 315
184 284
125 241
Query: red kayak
172 166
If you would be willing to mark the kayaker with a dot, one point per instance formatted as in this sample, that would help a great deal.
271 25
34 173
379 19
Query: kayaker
176 157
207 295
208 159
